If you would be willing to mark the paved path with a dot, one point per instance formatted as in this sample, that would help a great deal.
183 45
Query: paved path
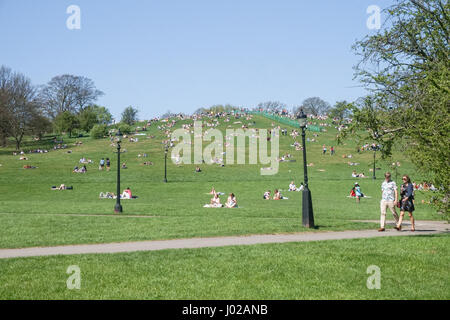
422 228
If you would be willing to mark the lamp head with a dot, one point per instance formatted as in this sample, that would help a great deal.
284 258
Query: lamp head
301 118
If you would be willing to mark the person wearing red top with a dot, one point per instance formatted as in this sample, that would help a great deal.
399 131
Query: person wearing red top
127 193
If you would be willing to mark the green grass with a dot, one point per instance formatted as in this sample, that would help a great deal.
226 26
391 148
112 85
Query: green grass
411 268
32 215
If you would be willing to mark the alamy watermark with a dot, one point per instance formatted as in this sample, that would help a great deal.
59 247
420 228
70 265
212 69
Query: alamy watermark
73 22
374 20
74 281
214 151
374 280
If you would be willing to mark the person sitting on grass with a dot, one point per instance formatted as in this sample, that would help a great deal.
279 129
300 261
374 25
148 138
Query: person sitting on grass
231 201
124 166
197 169
292 186
277 195
266 195
127 193
358 193
213 191
214 202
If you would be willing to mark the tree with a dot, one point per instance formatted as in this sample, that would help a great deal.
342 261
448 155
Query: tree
88 118
341 110
406 68
129 115
5 89
68 93
66 122
19 107
103 114
99 131
39 125
314 106
125 128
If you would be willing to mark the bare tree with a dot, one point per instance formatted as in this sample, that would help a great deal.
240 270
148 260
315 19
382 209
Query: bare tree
314 106
18 105
68 93
5 88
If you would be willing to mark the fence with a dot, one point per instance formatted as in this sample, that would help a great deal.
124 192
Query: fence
286 121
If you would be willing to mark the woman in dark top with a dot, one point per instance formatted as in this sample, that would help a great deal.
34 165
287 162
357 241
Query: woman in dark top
406 203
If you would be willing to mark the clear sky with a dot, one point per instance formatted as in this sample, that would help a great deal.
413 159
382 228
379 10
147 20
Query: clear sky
181 55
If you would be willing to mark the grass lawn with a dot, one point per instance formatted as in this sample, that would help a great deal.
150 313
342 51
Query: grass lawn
411 268
33 215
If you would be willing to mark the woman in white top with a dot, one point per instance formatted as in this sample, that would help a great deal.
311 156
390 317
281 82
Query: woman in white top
231 201
292 186
215 201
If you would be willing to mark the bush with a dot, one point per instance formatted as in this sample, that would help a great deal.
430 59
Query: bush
99 131
125 128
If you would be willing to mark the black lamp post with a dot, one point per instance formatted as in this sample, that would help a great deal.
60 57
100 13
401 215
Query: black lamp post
307 209
165 162
374 148
118 206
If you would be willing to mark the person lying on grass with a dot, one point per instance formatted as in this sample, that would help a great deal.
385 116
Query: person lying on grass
231 201
62 187
29 167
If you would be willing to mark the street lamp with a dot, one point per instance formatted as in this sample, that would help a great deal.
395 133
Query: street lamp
374 148
118 206
165 162
307 209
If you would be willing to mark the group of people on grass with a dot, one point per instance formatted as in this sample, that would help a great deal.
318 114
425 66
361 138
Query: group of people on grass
126 195
215 200
104 163
276 195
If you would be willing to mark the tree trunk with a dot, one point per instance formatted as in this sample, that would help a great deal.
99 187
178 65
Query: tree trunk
4 141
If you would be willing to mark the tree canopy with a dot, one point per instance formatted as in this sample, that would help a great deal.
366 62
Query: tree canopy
129 115
406 68
68 93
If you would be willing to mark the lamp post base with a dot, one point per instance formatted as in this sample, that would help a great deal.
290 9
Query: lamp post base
307 209
117 208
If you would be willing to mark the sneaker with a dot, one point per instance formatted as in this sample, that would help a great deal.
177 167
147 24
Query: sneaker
381 229
398 228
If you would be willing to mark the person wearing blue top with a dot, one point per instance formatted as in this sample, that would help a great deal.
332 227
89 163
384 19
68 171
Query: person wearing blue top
406 204
358 193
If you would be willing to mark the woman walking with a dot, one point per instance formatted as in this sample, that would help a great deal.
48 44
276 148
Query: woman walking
406 202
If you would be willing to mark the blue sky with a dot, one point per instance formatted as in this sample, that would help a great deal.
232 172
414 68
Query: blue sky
182 55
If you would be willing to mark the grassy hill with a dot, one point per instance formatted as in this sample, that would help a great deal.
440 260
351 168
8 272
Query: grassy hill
32 214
